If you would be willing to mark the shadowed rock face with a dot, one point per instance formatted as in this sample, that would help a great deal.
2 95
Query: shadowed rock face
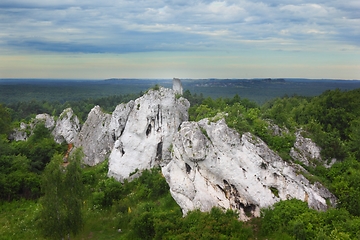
230 171
148 133
100 131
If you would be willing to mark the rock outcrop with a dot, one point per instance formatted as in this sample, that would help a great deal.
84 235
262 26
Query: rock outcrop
177 86
206 164
213 166
146 140
100 131
307 152
67 127
25 130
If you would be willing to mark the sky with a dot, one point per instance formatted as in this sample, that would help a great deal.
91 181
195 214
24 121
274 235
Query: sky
93 39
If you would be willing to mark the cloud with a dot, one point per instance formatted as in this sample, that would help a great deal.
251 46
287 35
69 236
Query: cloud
175 25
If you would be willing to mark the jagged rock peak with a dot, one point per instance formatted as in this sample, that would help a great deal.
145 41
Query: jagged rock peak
213 166
100 131
66 127
148 133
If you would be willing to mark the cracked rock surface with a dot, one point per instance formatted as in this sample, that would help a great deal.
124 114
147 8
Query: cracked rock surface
213 166
146 139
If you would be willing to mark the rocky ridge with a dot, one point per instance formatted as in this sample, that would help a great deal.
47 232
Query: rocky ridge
206 164
213 166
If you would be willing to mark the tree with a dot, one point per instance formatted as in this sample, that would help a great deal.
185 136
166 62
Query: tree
53 210
74 193
62 201
5 120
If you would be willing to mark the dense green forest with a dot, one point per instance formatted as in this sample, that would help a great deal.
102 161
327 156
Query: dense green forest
144 208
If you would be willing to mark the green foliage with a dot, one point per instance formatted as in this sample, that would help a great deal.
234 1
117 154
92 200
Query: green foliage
332 119
144 208
243 116
81 107
61 204
5 120
108 191
39 148
213 225
53 211
345 178
294 218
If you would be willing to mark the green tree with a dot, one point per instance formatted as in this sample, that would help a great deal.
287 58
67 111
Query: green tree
53 211
5 120
74 193
62 201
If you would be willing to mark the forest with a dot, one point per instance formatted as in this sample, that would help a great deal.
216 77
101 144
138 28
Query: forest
144 208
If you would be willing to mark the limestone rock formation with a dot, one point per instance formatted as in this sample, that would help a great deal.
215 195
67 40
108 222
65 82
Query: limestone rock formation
177 86
145 141
212 165
94 137
206 164
46 119
25 130
67 127
19 134
99 132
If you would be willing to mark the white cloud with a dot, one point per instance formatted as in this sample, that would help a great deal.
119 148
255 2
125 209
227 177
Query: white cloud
150 25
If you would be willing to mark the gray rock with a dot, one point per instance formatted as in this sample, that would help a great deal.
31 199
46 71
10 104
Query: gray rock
305 150
25 130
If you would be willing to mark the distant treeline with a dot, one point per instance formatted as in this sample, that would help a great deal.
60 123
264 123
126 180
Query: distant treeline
257 90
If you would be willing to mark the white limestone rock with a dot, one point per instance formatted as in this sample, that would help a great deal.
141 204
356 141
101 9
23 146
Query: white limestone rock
119 118
213 166
20 134
305 150
147 136
67 127
100 131
46 118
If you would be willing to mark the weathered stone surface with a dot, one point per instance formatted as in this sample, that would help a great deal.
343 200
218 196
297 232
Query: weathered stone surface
100 131
67 127
212 165
148 133
177 86
94 137
305 150
46 118
21 133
